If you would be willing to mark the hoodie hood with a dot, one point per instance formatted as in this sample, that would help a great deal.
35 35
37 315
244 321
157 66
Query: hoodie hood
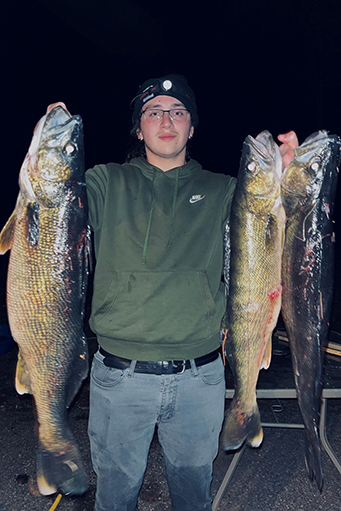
149 170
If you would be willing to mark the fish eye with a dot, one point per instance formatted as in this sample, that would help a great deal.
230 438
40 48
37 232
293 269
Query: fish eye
251 166
315 166
69 148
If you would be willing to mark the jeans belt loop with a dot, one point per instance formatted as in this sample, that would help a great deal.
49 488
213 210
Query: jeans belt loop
158 367
194 367
132 368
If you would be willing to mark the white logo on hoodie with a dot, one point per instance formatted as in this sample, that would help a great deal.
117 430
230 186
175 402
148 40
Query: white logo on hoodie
196 198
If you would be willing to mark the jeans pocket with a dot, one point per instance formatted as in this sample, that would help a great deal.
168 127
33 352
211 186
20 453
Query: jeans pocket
212 373
104 376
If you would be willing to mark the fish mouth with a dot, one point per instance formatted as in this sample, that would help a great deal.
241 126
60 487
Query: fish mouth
50 129
266 139
52 124
266 151
56 117
313 145
257 146
59 120
311 152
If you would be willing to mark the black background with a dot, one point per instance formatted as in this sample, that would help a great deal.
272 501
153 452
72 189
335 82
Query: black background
254 65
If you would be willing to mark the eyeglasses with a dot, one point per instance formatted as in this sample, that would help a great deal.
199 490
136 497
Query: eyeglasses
175 114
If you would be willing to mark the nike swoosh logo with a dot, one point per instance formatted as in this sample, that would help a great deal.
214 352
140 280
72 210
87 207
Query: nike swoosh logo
196 198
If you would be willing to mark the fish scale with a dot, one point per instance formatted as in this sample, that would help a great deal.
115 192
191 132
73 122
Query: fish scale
308 191
256 239
47 274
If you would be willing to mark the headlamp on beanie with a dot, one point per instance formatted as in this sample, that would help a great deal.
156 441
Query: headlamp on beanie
170 85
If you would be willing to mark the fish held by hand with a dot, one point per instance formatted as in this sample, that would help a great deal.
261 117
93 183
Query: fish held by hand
48 237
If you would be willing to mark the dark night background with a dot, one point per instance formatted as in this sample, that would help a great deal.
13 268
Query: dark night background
253 65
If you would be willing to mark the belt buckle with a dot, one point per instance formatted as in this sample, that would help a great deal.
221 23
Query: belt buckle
183 363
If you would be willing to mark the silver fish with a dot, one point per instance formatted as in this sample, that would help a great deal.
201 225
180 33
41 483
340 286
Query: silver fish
308 192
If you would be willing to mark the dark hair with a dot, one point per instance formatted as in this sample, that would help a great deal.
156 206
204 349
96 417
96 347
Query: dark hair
137 147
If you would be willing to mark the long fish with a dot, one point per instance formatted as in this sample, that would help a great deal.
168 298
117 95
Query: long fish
256 240
47 277
308 192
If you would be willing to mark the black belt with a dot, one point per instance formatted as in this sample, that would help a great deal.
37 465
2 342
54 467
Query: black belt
160 367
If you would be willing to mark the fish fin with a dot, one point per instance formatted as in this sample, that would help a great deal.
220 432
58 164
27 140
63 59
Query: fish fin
61 470
22 377
313 461
79 372
240 426
223 350
87 266
7 232
88 250
267 355
33 224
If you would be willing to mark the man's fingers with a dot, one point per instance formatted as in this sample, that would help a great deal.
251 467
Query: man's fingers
290 139
287 148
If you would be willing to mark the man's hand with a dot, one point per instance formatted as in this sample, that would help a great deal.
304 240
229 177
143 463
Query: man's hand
287 148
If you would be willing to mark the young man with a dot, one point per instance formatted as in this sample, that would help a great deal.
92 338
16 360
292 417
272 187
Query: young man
158 301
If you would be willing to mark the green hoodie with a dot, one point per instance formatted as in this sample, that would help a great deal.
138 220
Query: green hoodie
158 237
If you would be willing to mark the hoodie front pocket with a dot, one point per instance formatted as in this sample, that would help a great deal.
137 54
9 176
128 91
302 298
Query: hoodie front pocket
101 307
157 305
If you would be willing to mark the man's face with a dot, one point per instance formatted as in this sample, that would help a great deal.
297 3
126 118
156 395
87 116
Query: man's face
165 138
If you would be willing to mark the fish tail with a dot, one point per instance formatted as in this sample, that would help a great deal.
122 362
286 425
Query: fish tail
60 470
240 426
313 460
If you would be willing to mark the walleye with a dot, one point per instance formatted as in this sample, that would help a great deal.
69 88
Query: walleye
47 278
308 191
256 241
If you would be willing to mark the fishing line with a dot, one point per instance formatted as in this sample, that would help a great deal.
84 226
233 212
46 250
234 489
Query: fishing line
56 502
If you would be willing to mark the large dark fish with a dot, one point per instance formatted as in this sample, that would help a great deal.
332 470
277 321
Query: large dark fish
47 275
256 240
308 191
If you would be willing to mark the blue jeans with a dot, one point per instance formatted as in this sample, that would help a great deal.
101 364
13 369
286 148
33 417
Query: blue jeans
125 407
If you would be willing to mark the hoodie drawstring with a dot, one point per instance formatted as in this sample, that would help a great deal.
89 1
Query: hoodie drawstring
146 239
175 196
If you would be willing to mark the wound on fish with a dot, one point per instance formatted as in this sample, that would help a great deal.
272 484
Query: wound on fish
326 208
241 418
275 293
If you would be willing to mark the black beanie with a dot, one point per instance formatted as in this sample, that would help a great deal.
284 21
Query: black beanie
170 85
